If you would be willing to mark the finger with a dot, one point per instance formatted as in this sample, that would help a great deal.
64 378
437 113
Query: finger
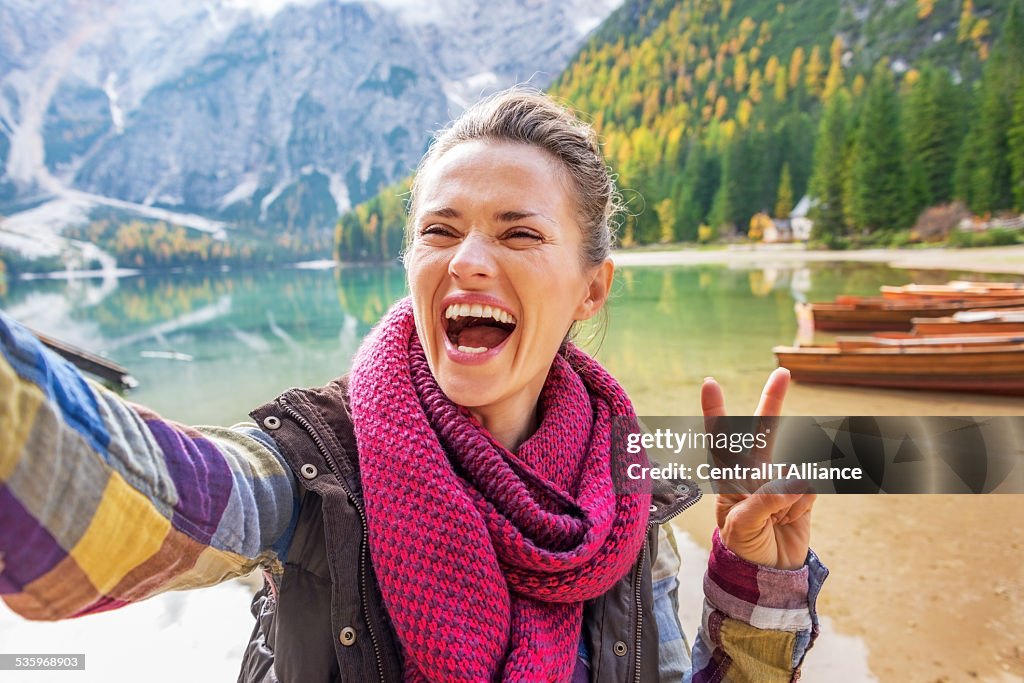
755 512
774 393
712 404
799 508
712 400
768 409
774 500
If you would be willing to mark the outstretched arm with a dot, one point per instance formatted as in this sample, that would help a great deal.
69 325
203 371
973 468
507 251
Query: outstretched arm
103 503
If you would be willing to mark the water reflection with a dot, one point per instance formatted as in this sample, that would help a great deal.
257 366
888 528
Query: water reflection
253 334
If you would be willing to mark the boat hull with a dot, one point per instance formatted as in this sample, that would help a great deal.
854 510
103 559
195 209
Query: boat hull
895 316
950 326
991 370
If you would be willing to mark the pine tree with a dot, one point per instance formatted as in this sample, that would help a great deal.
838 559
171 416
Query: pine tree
780 89
812 74
933 133
784 199
879 168
963 31
967 159
834 79
796 65
796 148
984 176
721 213
688 205
666 220
1016 156
829 169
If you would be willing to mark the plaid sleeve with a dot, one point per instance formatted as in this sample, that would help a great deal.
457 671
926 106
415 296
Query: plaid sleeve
103 503
673 650
758 622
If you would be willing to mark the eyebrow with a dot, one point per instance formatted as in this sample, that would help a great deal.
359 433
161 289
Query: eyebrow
502 216
443 212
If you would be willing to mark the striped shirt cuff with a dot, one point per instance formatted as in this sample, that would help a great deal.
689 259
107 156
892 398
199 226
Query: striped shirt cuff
764 597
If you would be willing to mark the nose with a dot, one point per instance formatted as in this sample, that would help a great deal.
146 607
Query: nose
474 258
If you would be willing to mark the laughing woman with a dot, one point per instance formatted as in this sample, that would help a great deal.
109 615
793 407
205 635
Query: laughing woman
446 511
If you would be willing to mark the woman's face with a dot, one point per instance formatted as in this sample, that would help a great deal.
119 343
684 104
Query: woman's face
496 273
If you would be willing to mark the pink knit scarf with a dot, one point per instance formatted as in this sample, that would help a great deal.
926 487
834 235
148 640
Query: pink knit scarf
484 556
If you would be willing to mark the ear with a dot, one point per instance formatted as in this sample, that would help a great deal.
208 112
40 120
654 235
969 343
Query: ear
598 288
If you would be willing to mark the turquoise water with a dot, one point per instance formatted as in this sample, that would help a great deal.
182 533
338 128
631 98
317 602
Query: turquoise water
208 348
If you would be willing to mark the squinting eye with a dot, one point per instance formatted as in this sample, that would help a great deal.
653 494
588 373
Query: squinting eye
437 229
522 234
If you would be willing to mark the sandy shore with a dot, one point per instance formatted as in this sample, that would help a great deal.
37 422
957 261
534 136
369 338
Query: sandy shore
932 585
982 260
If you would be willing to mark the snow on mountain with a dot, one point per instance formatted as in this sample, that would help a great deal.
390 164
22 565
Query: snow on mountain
229 109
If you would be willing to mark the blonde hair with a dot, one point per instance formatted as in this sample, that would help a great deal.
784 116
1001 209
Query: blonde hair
528 116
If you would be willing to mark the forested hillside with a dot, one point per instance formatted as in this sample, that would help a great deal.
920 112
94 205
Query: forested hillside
713 112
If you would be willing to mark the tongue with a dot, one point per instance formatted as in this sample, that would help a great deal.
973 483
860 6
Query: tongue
482 336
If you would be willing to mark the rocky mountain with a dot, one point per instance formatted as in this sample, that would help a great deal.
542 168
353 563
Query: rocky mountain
265 114
714 113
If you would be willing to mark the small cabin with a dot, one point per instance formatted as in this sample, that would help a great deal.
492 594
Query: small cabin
795 228
779 231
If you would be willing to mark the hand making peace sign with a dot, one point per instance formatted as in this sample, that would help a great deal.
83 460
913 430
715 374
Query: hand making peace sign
771 525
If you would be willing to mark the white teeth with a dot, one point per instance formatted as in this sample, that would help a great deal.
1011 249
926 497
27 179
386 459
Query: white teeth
478 311
472 349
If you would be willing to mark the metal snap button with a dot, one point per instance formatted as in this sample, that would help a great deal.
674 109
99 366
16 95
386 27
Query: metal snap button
348 636
619 648
308 471
271 422
682 488
654 508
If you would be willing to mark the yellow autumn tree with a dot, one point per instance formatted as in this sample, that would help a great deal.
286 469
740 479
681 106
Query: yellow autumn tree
755 85
666 219
966 23
721 107
759 223
780 90
744 112
812 74
740 73
834 79
796 66
770 67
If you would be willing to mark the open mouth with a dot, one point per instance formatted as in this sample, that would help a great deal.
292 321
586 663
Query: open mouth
474 328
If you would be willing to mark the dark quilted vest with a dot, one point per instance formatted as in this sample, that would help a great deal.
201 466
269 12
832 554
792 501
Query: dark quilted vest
323 620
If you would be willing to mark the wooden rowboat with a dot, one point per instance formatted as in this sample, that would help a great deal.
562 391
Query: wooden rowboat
989 285
997 321
905 340
955 289
992 369
875 313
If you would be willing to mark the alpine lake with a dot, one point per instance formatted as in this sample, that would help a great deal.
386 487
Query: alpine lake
207 348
